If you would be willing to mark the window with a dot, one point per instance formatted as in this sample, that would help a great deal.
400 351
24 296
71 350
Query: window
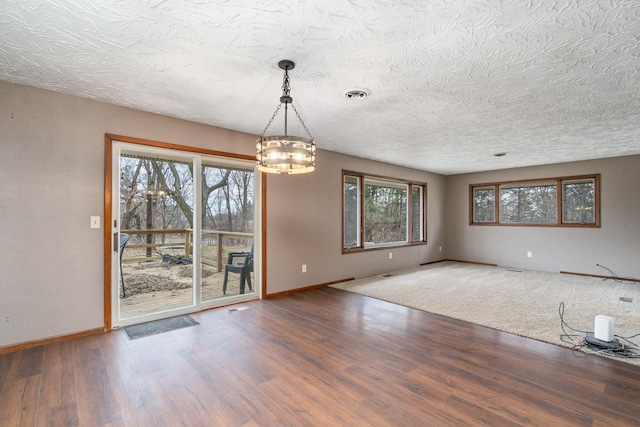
528 203
351 214
578 201
385 212
570 201
382 212
484 204
416 206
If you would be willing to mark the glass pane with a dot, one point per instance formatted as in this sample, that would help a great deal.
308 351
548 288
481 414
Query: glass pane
156 214
385 212
351 212
416 213
484 204
529 204
227 231
578 201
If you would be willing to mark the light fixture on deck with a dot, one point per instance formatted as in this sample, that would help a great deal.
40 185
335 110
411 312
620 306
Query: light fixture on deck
284 153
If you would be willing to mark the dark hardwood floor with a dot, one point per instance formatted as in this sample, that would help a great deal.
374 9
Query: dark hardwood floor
323 357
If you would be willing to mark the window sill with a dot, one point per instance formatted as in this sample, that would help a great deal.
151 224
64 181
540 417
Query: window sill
381 246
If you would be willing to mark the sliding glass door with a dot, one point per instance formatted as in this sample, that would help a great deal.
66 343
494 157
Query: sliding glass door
227 240
184 232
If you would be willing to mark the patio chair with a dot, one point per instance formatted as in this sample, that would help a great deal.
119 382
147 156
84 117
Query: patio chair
124 238
239 263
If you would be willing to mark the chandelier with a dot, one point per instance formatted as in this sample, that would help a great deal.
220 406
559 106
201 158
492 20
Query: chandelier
284 153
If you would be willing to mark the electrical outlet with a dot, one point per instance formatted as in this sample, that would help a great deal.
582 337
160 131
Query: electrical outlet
390 255
440 248
304 268
529 254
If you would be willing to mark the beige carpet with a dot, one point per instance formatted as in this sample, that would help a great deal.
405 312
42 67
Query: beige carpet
522 302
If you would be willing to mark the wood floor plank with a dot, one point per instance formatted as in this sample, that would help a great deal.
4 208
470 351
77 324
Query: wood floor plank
145 402
566 384
302 408
497 397
19 402
97 404
26 363
20 390
58 377
388 393
6 360
256 406
328 396
58 387
317 358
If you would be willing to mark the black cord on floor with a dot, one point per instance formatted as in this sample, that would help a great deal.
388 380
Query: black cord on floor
630 350
615 277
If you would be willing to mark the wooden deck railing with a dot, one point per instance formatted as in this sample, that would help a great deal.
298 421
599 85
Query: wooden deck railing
185 244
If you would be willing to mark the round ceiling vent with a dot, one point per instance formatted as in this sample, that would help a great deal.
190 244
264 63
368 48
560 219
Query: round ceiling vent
357 94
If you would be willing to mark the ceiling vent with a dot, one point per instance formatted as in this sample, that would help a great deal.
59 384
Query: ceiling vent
357 94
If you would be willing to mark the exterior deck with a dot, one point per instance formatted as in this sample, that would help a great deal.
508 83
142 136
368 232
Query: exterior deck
137 302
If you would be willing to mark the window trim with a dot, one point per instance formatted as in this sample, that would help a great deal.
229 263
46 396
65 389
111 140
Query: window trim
361 177
530 182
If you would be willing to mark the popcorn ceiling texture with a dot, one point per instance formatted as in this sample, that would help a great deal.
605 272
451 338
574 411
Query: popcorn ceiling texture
452 82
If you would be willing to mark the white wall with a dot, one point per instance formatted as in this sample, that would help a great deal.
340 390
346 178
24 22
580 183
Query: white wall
616 244
52 181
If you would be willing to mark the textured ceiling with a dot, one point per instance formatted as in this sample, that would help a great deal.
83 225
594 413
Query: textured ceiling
451 82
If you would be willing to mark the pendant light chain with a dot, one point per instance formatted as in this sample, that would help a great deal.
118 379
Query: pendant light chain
286 88
302 122
286 91
275 113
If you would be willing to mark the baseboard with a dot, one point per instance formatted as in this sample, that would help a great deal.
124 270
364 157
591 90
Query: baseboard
624 279
434 262
306 288
35 343
597 276
472 262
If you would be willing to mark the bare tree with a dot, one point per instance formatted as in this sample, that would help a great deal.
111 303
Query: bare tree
129 188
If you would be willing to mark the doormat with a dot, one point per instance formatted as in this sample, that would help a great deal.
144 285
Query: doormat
159 326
